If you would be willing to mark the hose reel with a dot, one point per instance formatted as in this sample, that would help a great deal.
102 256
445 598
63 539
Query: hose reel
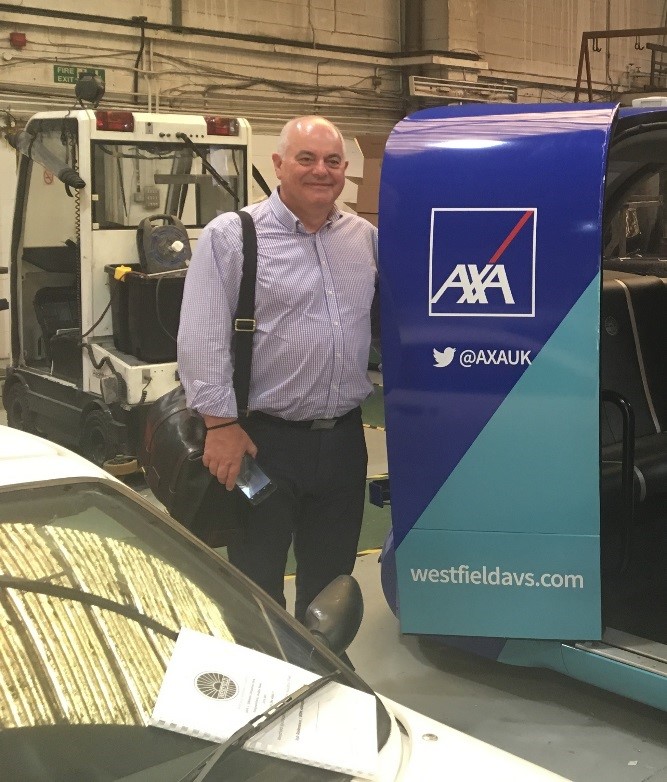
165 247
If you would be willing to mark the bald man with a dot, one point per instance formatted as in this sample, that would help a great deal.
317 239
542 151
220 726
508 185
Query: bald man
316 279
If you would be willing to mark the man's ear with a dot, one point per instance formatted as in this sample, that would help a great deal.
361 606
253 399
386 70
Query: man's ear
277 163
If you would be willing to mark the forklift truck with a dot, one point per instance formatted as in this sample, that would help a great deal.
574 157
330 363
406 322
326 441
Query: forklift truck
108 206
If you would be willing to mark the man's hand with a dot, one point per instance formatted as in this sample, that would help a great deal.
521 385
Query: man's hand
224 449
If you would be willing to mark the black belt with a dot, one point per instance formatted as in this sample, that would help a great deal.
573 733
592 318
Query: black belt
315 423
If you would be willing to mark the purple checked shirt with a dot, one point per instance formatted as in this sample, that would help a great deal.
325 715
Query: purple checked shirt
312 307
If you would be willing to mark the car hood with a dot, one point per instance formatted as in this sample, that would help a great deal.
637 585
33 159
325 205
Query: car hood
25 458
431 749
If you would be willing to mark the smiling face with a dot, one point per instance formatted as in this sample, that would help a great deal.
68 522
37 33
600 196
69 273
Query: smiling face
311 168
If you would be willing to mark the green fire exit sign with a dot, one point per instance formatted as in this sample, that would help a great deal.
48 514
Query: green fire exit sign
70 74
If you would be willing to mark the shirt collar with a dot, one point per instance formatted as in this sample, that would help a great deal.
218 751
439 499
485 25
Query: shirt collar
290 220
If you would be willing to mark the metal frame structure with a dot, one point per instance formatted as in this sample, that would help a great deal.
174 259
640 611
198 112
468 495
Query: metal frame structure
596 35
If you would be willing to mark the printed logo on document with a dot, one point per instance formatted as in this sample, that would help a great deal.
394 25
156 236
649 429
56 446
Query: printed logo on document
482 263
216 685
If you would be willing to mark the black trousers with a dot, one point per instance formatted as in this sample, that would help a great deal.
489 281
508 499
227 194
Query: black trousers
319 505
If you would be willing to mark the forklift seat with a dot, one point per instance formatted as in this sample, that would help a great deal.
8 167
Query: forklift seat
56 308
57 311
60 258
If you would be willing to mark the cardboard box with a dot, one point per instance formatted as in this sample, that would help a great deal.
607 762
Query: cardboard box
372 169
368 195
371 146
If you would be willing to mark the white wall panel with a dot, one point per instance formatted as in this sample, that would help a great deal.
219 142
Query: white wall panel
268 82
542 38
297 19
324 56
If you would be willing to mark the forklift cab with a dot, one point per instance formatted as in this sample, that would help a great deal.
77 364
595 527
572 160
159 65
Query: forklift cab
523 264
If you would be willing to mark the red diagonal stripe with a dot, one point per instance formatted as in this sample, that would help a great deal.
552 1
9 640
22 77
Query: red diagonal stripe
524 219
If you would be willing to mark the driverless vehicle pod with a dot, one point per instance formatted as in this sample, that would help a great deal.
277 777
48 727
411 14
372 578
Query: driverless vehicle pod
524 315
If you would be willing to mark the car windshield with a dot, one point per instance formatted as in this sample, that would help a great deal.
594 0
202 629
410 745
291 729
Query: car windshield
94 589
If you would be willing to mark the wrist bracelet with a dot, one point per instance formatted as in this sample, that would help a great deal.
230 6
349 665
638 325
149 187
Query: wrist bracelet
221 426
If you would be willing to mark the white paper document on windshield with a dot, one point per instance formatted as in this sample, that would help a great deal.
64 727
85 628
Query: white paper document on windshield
213 687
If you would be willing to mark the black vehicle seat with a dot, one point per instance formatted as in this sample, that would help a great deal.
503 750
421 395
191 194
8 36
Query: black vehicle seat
59 258
632 361
647 265
57 311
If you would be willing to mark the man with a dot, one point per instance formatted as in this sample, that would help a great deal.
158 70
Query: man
316 275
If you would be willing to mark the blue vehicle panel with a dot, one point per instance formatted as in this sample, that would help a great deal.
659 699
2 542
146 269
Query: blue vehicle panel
523 260
490 362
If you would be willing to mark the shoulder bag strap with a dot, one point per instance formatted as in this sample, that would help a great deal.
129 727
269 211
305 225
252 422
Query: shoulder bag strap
244 320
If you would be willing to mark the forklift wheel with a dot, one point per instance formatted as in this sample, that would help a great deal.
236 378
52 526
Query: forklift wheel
97 440
18 410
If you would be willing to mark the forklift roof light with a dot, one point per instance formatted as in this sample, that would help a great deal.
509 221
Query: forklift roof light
115 120
222 126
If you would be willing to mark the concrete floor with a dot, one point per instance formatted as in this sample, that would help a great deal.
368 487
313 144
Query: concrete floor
583 733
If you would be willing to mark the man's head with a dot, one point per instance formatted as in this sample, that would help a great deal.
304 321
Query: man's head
310 164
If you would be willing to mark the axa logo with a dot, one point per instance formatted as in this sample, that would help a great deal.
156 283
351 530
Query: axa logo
474 283
483 262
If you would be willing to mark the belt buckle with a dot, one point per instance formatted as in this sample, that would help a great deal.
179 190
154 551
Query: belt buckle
323 423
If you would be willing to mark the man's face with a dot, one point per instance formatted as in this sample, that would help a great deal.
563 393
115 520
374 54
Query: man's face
312 170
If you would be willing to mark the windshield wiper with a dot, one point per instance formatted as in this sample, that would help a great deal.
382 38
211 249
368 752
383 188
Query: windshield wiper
253 726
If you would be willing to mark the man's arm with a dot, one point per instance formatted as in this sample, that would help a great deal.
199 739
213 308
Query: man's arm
204 344
204 335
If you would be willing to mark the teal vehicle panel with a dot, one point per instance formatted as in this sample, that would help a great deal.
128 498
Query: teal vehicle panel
544 456
630 681
494 584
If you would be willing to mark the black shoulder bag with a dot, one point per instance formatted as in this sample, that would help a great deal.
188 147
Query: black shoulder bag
174 435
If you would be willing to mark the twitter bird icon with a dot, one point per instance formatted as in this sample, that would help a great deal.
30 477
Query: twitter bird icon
443 358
